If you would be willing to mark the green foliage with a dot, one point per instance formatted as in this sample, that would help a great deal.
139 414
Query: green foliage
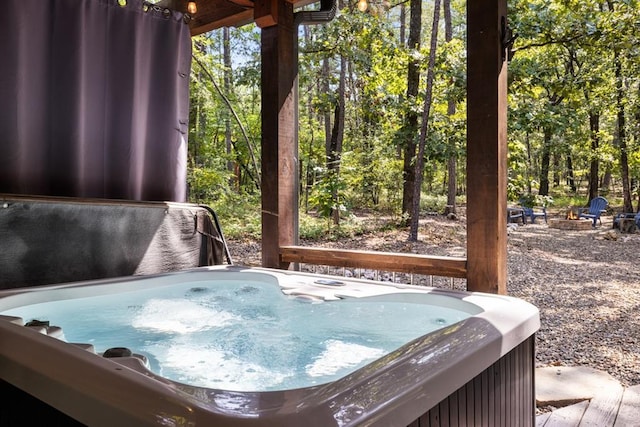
561 77
563 74
314 228
531 200
239 214
433 203
370 175
562 200
206 184
327 196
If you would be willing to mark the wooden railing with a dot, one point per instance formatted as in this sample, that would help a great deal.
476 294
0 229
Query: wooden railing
382 261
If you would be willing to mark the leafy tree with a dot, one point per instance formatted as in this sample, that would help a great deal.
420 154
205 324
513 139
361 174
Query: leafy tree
365 80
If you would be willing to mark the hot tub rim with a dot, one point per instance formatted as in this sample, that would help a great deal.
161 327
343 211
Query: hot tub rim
506 336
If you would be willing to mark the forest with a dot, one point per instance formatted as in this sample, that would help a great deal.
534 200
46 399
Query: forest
382 117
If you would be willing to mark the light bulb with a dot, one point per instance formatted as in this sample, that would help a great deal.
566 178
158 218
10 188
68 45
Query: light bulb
362 5
192 8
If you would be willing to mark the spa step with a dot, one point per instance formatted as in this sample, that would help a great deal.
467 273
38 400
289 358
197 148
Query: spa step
601 400
561 386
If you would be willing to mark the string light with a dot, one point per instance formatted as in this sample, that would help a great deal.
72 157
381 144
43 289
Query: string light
373 7
192 8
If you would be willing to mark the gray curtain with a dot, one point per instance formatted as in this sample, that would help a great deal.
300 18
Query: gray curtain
93 99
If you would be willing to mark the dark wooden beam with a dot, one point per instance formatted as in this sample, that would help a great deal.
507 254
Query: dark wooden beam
266 13
279 133
238 18
382 261
486 148
213 14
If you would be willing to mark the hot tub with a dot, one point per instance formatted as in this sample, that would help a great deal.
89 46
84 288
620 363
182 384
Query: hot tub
350 353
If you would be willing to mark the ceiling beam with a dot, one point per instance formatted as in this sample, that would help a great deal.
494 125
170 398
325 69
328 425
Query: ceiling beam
213 14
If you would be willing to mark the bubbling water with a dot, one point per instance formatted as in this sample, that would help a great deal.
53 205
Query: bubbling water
244 335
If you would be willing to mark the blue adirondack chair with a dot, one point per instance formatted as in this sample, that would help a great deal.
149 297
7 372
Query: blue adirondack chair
530 213
596 206
635 216
527 202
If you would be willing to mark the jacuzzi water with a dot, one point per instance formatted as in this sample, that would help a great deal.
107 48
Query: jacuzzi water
245 335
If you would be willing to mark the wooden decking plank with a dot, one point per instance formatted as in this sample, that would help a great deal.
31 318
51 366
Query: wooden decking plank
629 413
569 416
603 408
541 419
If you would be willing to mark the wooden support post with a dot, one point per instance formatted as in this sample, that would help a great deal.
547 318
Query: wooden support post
279 131
486 147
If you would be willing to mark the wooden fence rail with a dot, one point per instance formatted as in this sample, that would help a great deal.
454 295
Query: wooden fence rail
383 261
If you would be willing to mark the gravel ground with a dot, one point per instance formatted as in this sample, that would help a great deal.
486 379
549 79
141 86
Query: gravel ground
585 283
587 288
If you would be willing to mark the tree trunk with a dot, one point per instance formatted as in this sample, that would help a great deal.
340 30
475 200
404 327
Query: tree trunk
327 112
403 24
451 110
528 173
556 169
334 150
570 176
410 126
415 211
544 163
594 128
307 162
226 54
194 149
622 137
636 137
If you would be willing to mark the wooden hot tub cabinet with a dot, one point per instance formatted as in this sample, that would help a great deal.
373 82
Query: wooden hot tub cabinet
502 395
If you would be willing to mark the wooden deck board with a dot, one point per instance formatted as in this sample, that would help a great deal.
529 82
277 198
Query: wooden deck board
613 407
629 413
569 416
541 419
603 408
